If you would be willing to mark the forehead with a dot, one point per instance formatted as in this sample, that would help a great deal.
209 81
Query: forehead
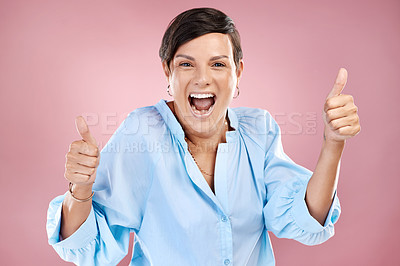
210 44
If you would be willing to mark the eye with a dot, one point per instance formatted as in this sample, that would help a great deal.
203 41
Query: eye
219 65
185 64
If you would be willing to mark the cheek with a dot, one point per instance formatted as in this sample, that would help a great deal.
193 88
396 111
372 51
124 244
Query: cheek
179 85
179 81
228 81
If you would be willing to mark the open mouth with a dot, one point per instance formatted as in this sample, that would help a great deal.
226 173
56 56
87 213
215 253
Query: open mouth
202 104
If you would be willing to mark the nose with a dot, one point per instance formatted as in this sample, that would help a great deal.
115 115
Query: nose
202 77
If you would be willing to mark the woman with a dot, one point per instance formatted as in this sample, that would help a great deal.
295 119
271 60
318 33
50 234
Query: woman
198 183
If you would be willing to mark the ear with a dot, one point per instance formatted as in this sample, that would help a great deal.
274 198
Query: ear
239 71
166 70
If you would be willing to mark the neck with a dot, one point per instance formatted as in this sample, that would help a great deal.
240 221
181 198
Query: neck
208 144
205 143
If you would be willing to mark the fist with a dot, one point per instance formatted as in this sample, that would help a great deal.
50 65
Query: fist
83 156
340 113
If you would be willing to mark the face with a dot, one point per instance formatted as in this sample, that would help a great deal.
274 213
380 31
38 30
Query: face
203 68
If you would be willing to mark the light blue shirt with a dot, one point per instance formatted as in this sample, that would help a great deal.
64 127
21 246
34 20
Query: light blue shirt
148 183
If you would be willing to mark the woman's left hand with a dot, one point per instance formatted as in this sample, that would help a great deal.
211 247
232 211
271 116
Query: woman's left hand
340 113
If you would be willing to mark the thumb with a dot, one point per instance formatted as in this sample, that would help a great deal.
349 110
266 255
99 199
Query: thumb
340 82
83 130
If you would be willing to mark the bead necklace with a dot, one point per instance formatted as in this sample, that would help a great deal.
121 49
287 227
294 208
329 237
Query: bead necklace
201 169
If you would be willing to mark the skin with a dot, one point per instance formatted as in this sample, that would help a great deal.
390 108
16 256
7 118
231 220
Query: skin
341 123
195 69
82 160
205 64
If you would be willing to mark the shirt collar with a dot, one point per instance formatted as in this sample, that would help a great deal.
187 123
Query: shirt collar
177 130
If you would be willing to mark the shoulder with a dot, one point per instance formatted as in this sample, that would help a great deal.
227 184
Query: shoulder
254 120
142 122
142 125
137 135
257 124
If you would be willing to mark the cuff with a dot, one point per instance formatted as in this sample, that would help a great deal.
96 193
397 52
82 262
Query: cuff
86 233
303 217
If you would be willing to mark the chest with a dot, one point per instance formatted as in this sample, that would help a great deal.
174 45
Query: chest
238 190
205 161
231 175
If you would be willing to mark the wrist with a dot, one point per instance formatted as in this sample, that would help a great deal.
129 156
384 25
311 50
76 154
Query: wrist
333 148
81 193
333 142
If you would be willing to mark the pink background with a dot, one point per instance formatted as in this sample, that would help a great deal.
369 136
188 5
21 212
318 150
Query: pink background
60 59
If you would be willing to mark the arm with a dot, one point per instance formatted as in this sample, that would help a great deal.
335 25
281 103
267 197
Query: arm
75 213
286 213
322 185
82 160
341 122
96 232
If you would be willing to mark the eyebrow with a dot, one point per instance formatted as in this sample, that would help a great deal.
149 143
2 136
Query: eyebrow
192 58
185 56
218 57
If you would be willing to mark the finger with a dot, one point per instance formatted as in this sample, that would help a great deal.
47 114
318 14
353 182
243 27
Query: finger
76 178
339 112
83 130
338 101
342 122
89 161
340 82
349 130
82 147
76 168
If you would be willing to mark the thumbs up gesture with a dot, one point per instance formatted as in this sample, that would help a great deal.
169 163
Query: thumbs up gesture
83 157
340 113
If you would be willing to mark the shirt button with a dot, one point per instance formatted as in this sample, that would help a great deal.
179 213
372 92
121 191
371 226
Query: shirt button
224 219
226 262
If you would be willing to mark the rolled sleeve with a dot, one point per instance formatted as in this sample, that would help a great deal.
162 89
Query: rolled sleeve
303 218
123 181
80 238
287 216
95 242
286 213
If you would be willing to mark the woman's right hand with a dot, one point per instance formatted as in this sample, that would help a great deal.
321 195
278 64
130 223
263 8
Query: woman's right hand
82 158
80 169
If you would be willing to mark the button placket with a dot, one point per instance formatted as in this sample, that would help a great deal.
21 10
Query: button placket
226 239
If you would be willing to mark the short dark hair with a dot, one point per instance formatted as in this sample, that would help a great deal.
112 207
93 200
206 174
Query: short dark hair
194 23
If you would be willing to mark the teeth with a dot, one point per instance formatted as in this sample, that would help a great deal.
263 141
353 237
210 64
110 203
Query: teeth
201 96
